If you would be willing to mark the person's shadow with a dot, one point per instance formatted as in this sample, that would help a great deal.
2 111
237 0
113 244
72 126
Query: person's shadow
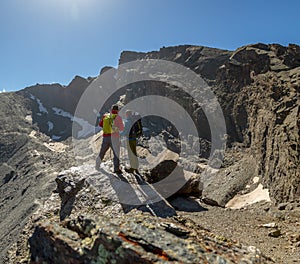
134 192
186 204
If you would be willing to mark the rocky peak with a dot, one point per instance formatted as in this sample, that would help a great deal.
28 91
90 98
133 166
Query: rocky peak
203 60
105 68
77 83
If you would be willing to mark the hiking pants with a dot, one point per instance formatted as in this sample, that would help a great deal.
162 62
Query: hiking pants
132 155
114 144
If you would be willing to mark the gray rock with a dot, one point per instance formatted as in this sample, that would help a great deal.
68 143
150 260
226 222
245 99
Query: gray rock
275 233
77 188
170 178
210 201
187 204
270 225
282 206
227 182
132 239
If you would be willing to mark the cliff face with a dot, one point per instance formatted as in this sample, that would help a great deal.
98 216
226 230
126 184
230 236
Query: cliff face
258 89
273 131
264 111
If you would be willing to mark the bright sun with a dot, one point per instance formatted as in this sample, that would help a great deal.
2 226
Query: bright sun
71 8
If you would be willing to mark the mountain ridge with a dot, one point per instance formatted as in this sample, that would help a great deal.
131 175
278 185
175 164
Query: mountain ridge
257 86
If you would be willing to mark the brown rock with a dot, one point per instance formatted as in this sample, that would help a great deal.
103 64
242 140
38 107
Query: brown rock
275 233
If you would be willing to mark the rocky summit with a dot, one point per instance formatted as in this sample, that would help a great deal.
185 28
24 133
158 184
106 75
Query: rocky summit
235 204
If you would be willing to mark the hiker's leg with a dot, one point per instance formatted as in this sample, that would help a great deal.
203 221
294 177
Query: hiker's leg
106 143
134 163
116 150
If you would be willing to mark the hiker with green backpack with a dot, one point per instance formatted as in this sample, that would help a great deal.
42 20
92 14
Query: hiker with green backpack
133 130
112 125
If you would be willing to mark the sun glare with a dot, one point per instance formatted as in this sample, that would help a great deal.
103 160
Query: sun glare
71 8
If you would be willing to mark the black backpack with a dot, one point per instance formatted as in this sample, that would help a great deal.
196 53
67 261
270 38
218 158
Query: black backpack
137 127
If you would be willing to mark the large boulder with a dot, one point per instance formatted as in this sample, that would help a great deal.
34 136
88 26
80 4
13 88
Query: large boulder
228 182
167 173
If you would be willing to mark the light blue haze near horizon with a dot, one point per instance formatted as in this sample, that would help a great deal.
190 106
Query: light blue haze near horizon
51 41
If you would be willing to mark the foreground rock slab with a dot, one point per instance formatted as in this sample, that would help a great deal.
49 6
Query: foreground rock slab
134 238
84 187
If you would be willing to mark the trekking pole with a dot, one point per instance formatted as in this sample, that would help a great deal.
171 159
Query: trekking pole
122 156
121 152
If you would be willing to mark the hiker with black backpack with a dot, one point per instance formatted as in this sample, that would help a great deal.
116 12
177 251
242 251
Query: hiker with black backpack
132 130
112 125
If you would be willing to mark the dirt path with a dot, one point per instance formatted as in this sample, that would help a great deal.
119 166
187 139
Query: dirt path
245 226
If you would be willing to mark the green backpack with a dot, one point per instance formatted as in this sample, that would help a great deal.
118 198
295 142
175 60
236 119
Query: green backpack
109 126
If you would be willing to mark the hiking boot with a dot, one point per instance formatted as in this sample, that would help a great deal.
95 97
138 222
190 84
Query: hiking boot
118 171
98 162
129 170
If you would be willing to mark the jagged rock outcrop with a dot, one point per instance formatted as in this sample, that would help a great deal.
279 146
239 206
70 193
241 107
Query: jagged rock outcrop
203 60
98 228
258 89
82 189
265 113
273 132
133 239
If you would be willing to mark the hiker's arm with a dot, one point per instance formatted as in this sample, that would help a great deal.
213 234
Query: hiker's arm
125 132
119 123
101 122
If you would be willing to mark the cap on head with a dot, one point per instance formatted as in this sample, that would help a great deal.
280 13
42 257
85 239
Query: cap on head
115 107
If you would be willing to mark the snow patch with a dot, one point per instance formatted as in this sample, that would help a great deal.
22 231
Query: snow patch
255 179
54 137
42 108
178 55
258 195
50 126
87 128
56 146
29 118
32 97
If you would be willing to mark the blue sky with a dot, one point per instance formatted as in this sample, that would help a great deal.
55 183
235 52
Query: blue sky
46 41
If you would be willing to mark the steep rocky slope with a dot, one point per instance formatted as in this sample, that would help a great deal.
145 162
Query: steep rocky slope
28 166
258 89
